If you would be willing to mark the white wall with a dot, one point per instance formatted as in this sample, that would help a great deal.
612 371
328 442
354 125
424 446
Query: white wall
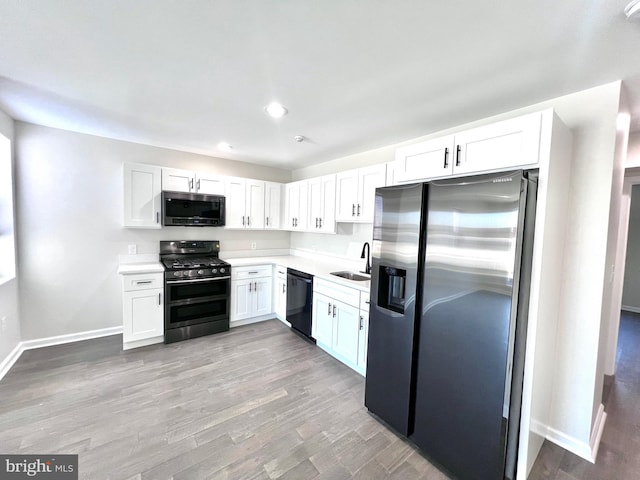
69 214
631 290
591 116
9 306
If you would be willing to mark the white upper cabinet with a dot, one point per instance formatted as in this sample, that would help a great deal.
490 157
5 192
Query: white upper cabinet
178 180
513 143
244 203
296 198
503 145
142 189
355 193
210 184
255 204
430 159
272 205
322 204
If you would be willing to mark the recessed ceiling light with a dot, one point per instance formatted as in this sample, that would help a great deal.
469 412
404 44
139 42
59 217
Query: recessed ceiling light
632 9
224 147
275 110
299 138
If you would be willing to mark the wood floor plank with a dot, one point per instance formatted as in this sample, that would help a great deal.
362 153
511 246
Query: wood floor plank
254 403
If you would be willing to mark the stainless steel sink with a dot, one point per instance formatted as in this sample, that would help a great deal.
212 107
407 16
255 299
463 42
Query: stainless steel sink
351 276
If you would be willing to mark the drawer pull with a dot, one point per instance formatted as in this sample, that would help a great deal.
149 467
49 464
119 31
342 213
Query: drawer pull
143 282
253 273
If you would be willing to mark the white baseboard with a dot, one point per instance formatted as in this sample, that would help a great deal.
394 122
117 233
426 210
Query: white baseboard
588 451
10 360
13 357
142 343
596 433
69 338
248 321
629 308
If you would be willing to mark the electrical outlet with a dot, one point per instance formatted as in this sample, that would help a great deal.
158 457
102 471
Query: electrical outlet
253 245
133 249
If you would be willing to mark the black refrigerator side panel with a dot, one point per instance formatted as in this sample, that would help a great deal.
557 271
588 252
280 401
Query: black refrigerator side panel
466 328
394 274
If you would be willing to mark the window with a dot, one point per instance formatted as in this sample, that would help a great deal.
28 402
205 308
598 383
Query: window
7 238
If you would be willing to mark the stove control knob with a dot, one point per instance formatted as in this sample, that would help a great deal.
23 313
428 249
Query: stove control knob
200 272
176 274
214 270
222 270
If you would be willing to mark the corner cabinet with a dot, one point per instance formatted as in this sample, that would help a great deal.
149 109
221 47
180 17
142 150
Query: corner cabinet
322 204
272 205
513 143
355 193
339 326
142 309
251 294
296 204
142 191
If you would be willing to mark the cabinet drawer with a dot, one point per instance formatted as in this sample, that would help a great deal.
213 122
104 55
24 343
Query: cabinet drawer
241 273
364 301
281 272
143 281
337 291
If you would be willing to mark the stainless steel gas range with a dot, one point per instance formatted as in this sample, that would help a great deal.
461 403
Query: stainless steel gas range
197 289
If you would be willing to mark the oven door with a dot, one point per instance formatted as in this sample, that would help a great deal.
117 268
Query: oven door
190 302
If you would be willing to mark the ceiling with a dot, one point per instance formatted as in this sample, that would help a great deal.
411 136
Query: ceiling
354 74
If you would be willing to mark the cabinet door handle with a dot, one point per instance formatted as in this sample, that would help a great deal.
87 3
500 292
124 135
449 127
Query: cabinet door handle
198 185
334 311
248 221
353 209
458 149
267 221
446 155
296 222
255 286
361 322
320 222
243 220
283 288
157 217
358 209
250 286
329 310
191 184
293 223
159 299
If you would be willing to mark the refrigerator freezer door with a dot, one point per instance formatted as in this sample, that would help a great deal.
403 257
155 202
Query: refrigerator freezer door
466 332
395 252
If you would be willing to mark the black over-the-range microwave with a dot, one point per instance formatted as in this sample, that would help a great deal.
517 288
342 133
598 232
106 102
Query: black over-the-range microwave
193 209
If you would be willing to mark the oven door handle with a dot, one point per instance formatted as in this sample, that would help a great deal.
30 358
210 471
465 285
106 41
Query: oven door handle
173 282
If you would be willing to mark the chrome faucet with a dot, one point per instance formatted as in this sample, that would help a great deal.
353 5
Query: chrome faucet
366 247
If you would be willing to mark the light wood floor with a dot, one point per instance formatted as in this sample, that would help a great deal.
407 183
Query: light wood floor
619 453
257 402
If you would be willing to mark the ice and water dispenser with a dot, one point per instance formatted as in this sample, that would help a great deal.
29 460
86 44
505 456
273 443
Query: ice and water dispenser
391 282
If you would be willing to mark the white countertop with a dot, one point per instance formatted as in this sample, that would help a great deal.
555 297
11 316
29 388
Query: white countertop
146 267
319 267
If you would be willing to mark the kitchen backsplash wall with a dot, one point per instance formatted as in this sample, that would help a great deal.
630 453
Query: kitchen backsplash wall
69 201
347 242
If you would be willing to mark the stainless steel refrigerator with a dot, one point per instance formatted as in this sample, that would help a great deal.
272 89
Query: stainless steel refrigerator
449 295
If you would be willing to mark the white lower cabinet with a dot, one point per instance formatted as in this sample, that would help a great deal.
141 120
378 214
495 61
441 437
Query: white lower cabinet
338 325
251 294
280 292
142 310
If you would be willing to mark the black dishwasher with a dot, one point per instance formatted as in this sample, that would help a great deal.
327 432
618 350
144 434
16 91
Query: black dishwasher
299 301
